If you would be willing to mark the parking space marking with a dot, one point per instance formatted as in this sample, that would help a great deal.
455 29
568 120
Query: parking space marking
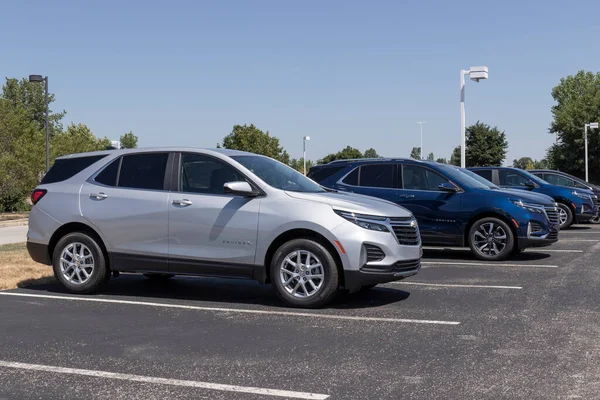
579 232
471 264
457 285
537 250
235 310
578 240
164 381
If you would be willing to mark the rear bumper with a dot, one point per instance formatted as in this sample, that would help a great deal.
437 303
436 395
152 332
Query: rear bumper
39 253
368 275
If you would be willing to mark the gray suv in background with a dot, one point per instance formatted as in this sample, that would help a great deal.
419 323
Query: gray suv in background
222 213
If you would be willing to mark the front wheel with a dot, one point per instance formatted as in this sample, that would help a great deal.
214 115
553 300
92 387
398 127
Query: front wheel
491 239
304 274
565 215
596 219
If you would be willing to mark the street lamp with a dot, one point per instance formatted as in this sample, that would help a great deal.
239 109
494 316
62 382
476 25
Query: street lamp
304 140
476 74
39 78
421 123
593 125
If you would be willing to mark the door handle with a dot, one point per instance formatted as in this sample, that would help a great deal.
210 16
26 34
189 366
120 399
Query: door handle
98 196
184 202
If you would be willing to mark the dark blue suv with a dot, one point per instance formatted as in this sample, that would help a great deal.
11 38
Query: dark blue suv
575 204
451 207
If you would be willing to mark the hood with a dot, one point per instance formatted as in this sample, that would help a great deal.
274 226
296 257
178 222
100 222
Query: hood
356 203
530 196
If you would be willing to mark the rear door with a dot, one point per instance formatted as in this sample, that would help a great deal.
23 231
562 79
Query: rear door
437 212
127 202
210 232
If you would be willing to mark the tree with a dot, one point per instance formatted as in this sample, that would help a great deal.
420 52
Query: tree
523 162
252 139
415 153
345 154
577 100
430 157
298 164
30 97
485 145
129 141
371 153
442 161
76 139
455 157
541 164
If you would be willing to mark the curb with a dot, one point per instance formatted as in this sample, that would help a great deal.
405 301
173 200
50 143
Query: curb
14 222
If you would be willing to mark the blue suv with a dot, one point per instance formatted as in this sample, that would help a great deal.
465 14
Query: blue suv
575 204
452 207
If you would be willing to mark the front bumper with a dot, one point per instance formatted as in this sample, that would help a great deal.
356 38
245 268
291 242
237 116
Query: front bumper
524 242
354 280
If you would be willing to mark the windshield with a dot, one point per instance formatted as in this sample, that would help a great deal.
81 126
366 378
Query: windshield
457 175
278 175
479 178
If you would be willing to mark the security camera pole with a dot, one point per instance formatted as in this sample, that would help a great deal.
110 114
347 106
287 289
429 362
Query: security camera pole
593 125
476 74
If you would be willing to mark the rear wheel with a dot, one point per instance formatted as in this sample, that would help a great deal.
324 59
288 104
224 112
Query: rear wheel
79 263
491 239
565 216
158 277
304 274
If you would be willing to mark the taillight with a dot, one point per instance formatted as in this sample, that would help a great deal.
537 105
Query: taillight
37 195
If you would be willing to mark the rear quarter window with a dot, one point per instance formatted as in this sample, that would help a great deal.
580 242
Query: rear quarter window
66 168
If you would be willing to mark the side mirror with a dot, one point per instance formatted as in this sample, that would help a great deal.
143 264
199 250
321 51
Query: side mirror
240 188
529 184
447 187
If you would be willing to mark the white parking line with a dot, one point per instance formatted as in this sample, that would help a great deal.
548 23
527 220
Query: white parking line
577 240
233 310
457 285
538 250
164 381
471 264
576 232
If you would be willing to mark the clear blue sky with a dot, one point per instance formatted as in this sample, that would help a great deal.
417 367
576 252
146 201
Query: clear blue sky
344 72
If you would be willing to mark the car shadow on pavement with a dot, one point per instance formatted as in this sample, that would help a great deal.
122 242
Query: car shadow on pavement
230 292
466 255
579 228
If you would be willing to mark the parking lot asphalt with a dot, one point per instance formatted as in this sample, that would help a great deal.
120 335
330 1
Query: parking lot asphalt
460 329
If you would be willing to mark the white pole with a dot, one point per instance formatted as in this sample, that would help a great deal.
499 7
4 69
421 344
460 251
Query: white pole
586 151
463 157
304 154
420 123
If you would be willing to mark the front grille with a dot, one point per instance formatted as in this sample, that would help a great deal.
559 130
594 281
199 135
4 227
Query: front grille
400 266
406 231
596 202
553 215
374 253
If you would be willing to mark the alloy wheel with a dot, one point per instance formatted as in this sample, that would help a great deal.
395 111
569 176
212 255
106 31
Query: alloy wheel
77 263
302 274
490 239
563 217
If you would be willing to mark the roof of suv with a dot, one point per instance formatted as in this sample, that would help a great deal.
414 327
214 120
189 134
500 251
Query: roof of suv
226 152
370 160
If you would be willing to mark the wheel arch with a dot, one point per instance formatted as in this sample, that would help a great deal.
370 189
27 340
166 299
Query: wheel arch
491 214
72 227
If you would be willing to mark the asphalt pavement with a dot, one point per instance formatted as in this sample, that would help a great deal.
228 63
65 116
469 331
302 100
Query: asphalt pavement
460 329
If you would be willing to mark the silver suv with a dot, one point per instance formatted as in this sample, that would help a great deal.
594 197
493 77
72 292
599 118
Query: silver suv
166 212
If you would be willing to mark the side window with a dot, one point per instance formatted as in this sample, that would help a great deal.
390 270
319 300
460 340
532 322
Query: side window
559 180
485 173
143 171
66 168
108 176
320 174
509 178
202 174
377 175
416 177
581 186
352 177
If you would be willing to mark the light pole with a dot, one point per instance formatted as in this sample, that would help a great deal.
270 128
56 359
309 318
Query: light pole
476 74
593 125
421 123
39 78
304 140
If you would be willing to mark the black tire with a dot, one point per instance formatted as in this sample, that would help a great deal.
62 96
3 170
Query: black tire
499 229
97 276
596 219
158 277
327 288
569 220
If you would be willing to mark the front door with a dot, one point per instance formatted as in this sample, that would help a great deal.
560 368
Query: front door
514 180
210 232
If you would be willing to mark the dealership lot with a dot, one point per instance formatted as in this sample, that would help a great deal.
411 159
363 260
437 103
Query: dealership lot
461 328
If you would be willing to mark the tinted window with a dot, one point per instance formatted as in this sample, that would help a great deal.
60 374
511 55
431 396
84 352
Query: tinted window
352 178
558 180
143 171
202 174
377 175
66 168
509 178
486 174
319 174
108 176
419 178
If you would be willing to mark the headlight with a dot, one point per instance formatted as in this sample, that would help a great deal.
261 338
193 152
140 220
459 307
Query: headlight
364 221
534 208
581 195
